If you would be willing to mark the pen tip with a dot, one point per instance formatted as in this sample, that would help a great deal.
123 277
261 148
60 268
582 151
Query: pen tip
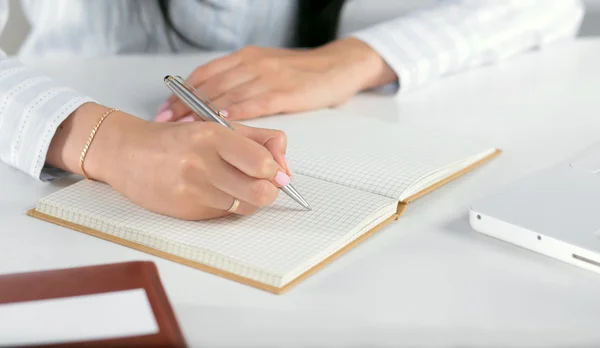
167 78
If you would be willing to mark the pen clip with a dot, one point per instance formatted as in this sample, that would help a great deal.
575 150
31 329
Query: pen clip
200 96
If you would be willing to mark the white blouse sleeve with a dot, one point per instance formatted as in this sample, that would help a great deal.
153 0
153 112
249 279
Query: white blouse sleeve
32 106
457 35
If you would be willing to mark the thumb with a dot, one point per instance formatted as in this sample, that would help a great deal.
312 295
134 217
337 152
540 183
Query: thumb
273 140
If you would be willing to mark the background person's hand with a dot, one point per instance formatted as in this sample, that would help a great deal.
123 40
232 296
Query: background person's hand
254 81
186 170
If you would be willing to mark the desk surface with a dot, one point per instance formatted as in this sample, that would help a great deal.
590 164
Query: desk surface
427 279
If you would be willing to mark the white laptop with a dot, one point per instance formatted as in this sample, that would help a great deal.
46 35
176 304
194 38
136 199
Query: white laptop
555 212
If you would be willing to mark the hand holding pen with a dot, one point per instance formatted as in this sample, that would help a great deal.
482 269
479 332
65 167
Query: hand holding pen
207 112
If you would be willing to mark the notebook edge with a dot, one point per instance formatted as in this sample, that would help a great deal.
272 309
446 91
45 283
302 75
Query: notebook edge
497 152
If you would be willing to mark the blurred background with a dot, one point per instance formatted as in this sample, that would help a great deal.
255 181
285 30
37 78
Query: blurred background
17 26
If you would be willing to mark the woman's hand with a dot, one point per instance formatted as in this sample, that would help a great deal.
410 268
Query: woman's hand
186 170
254 82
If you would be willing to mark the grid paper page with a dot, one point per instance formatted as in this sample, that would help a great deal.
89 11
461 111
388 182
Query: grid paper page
374 156
280 241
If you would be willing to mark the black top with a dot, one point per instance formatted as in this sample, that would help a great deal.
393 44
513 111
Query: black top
317 22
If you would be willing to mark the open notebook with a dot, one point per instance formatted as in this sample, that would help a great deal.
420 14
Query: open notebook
357 179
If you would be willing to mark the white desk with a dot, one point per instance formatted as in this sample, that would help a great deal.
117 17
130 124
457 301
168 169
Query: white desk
426 280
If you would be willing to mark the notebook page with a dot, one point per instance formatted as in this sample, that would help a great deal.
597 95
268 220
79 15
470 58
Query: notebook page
267 246
371 155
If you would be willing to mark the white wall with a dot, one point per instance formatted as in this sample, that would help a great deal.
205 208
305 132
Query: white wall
17 27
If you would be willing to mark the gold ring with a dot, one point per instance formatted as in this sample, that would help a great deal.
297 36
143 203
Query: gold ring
234 205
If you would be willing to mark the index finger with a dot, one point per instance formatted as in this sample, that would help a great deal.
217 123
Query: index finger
273 140
248 156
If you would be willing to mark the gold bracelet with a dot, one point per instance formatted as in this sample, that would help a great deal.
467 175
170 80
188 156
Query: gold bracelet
92 135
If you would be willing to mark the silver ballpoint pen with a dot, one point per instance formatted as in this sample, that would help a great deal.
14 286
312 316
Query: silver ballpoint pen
206 112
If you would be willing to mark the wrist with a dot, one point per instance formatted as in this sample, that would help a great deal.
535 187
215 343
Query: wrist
356 58
105 156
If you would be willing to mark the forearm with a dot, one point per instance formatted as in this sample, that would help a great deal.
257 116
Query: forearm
32 106
45 124
458 35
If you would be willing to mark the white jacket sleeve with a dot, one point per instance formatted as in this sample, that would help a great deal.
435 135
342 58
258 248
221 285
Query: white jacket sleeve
457 35
32 106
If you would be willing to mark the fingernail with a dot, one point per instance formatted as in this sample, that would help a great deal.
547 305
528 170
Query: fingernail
189 118
164 116
224 113
282 179
164 106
